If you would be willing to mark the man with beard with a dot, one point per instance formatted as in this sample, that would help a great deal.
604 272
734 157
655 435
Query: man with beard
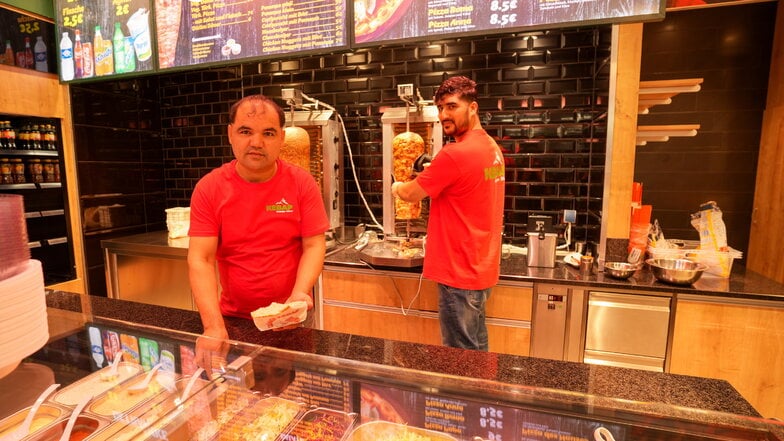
465 183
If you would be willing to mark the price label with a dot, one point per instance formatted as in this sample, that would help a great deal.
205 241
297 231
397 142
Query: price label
503 19
503 6
72 21
73 16
29 27
121 10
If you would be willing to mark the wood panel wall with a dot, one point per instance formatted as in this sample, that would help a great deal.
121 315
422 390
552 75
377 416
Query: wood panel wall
27 92
767 219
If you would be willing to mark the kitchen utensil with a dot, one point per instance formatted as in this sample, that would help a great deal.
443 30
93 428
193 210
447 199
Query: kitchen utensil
602 434
187 391
586 265
676 271
142 386
74 416
620 270
112 372
24 428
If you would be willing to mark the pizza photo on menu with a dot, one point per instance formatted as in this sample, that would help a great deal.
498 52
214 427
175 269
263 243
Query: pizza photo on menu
373 18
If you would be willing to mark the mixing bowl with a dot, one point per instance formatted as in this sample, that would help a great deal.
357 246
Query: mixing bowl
620 270
676 271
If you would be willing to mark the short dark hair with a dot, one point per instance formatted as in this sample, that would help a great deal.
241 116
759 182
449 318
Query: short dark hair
261 99
463 87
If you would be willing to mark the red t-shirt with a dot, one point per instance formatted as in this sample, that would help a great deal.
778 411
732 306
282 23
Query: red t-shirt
465 182
260 227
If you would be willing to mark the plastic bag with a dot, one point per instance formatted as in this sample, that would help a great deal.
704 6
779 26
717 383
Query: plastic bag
709 224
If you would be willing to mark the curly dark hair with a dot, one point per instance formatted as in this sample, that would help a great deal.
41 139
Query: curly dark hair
463 87
260 99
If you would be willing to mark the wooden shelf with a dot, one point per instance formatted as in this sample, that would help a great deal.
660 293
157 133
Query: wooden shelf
661 92
646 134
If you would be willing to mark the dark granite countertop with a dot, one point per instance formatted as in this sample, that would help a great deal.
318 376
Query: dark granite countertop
742 283
625 390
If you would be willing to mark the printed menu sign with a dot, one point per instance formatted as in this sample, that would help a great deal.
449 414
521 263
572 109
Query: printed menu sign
376 22
103 37
209 31
463 419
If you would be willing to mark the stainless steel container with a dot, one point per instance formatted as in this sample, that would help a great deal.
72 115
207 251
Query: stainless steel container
541 249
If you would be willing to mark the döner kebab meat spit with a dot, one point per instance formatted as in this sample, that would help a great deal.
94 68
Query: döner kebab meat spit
411 134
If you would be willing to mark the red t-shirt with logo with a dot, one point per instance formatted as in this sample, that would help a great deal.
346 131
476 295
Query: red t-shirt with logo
260 227
465 183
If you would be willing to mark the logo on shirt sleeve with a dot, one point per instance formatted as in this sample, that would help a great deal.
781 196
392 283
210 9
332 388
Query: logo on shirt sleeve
496 171
281 207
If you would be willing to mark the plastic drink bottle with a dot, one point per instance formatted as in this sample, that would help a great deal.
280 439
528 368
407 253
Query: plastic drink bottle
66 58
104 57
78 55
96 347
130 55
8 56
29 59
119 49
41 61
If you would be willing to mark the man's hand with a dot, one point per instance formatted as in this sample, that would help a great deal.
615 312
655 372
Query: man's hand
395 186
211 350
300 296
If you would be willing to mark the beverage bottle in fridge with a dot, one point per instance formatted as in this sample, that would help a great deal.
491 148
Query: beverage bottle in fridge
78 55
29 59
8 55
66 58
119 49
41 60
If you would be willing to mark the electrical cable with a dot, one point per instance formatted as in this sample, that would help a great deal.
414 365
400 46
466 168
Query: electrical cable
350 156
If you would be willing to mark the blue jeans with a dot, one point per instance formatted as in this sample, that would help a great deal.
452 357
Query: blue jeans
461 313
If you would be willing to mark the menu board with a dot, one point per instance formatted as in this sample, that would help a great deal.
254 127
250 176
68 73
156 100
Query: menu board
103 37
383 21
211 31
465 419
26 41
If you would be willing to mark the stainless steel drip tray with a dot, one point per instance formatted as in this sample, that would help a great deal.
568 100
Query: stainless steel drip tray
392 254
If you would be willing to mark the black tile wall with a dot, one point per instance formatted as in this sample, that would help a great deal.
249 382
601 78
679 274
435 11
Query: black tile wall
120 167
732 55
542 95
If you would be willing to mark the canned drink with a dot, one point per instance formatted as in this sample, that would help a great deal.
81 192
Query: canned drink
87 51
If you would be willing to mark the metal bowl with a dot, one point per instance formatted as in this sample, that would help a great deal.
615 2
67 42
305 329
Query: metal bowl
620 270
676 271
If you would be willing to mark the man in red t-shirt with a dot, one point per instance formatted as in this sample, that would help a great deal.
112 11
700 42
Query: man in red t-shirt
465 183
261 219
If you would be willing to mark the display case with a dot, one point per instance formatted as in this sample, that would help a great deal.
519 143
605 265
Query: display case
327 392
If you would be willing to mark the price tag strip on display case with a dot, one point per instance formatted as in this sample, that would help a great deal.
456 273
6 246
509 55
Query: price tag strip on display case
411 134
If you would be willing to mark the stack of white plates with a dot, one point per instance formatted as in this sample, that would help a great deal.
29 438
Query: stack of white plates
23 325
13 238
